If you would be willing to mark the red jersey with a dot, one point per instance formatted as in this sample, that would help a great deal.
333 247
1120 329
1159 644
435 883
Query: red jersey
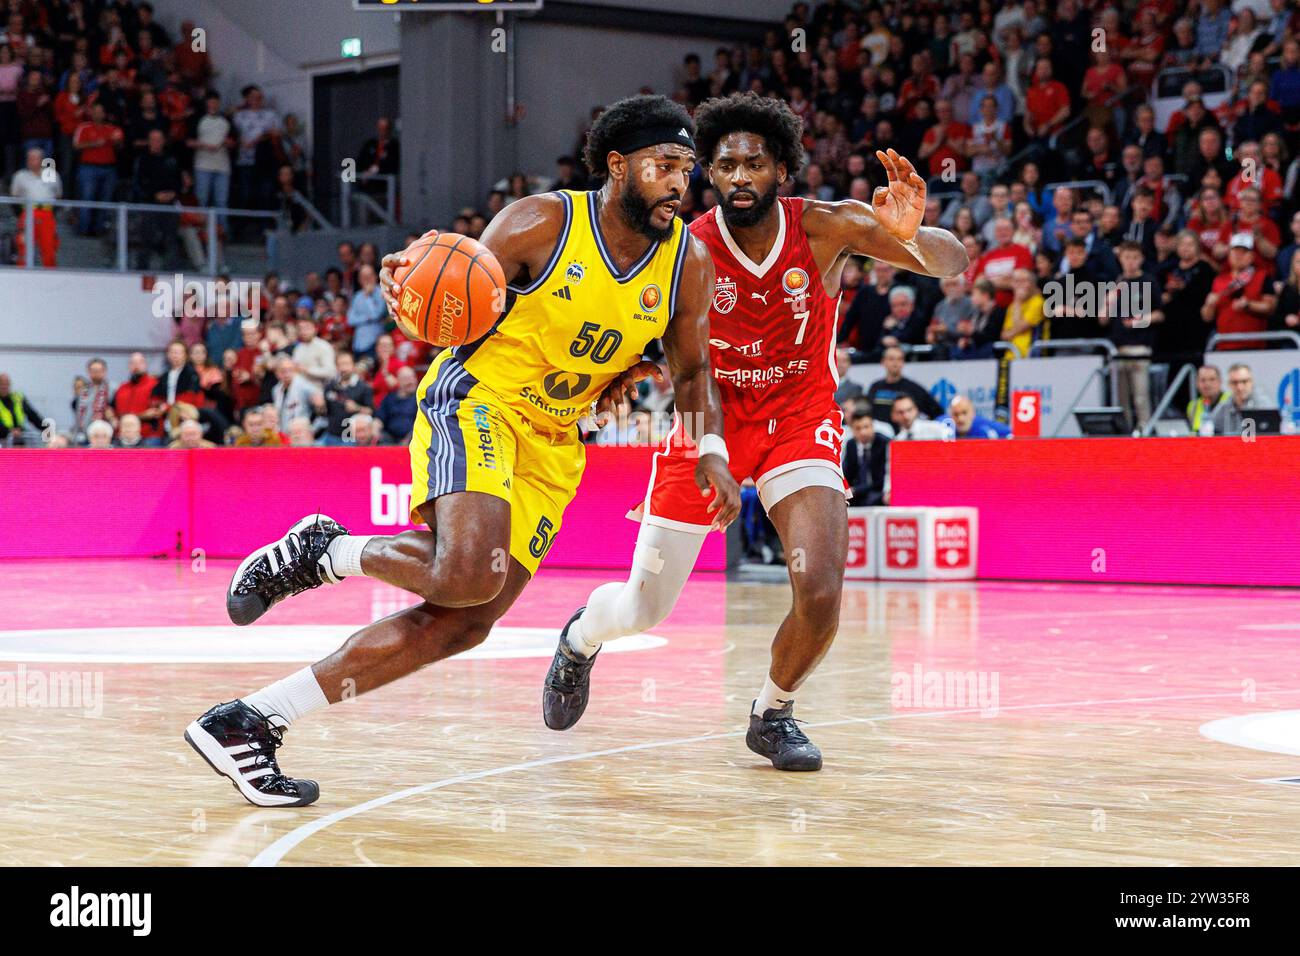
772 325
771 345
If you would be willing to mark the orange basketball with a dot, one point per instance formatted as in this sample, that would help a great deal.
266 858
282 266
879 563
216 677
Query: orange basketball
452 292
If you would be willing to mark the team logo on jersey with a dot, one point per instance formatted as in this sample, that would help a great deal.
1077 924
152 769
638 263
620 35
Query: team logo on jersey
564 385
795 282
650 297
575 272
724 296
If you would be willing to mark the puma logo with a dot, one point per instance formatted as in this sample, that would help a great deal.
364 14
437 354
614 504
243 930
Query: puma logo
761 296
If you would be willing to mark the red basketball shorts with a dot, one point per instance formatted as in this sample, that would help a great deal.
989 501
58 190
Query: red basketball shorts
782 455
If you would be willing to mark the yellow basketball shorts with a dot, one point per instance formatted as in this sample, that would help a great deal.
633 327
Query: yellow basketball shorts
467 439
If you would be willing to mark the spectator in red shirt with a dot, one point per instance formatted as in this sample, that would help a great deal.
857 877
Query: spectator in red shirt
1047 102
96 142
1256 174
1250 219
334 322
1102 84
246 376
1143 55
178 106
115 46
194 65
71 109
1241 298
998 264
133 397
1212 224
922 84
944 144
386 365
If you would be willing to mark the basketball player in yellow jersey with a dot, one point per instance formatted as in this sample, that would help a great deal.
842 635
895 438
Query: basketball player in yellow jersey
496 456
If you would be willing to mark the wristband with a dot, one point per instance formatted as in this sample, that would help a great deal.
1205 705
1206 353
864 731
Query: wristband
713 445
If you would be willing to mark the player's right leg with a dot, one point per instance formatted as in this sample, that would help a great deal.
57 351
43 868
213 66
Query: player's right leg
461 443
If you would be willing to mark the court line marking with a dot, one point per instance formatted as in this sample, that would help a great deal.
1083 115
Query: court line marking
1235 732
273 854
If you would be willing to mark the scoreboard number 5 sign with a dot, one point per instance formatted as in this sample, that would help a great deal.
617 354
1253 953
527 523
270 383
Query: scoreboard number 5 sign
1026 414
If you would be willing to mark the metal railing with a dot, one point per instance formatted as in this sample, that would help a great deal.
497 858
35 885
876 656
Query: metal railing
1277 336
120 213
910 350
1051 345
347 196
1104 371
1167 399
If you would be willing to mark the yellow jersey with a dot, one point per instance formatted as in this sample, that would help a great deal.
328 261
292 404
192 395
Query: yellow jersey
572 329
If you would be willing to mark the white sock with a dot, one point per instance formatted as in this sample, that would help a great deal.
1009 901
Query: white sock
599 622
345 553
577 642
295 696
771 697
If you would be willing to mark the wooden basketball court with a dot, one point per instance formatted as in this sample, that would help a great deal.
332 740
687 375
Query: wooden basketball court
961 724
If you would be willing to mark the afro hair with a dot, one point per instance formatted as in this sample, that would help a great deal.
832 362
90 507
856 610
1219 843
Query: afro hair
625 116
750 113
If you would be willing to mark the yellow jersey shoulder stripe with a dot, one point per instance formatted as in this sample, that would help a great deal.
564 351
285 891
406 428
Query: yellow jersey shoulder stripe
560 243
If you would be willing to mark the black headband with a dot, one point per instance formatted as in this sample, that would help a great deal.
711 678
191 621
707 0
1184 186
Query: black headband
653 136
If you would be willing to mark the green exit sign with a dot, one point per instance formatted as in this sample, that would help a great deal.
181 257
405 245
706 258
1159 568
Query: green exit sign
350 47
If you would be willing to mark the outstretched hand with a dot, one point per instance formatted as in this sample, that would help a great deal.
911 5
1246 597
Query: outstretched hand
899 206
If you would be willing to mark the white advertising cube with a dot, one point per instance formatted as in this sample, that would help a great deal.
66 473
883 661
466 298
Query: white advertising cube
861 562
925 544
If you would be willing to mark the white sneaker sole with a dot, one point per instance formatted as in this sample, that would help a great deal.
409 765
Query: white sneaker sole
207 747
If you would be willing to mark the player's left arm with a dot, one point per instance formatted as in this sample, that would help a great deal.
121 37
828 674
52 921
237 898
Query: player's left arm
686 346
890 228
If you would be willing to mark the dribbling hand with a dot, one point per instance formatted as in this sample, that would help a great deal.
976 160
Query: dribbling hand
388 288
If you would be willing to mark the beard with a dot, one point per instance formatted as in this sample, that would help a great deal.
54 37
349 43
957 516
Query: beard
741 218
637 212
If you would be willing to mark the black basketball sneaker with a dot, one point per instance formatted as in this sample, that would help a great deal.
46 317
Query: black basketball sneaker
568 683
776 735
240 744
295 563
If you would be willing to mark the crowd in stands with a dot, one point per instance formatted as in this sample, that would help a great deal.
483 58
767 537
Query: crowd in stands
1187 227
1194 232
99 102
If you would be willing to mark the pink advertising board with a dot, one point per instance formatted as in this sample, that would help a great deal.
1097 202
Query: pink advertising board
1157 510
228 501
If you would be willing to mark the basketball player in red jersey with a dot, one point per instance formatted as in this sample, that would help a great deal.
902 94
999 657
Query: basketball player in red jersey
772 329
